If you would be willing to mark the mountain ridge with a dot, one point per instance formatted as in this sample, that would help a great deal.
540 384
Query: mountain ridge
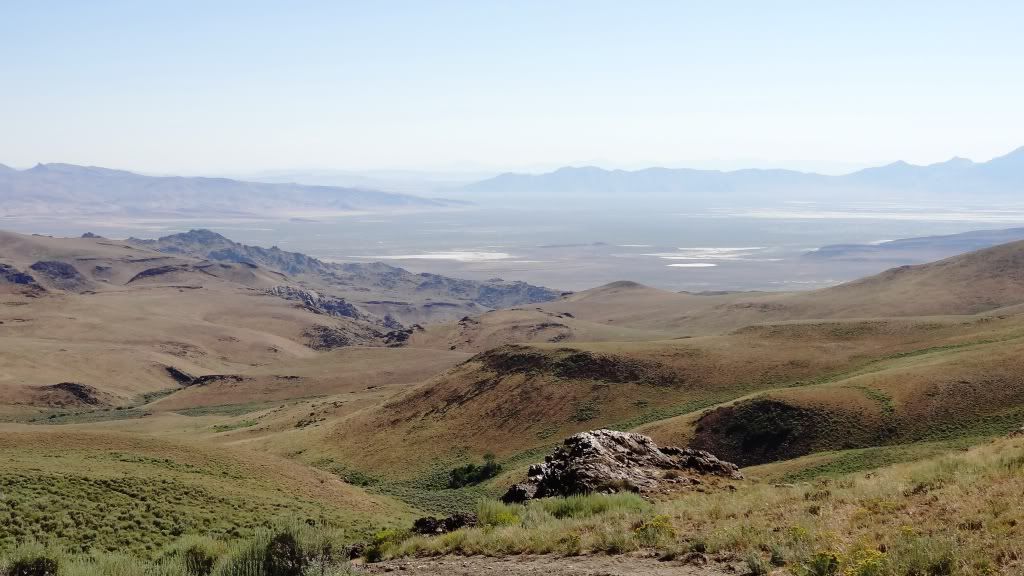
393 292
47 189
956 177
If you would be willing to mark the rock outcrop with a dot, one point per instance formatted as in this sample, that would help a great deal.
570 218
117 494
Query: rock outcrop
12 275
317 303
606 461
61 275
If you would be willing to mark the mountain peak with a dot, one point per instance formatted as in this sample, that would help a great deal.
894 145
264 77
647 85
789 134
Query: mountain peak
200 236
956 162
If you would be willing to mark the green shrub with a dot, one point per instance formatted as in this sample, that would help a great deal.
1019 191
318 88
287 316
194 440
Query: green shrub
654 532
382 542
756 565
197 554
32 559
284 551
283 556
586 505
494 513
821 564
471 474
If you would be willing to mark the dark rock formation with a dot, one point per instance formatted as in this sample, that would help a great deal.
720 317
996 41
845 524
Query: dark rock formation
577 364
61 275
431 526
12 275
179 376
158 271
68 394
606 461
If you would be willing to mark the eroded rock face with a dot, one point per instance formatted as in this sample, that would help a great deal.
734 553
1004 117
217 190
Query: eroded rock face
318 303
606 461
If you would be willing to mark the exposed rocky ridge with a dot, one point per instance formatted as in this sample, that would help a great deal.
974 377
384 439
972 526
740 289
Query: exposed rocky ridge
607 461
577 364
69 394
318 303
12 275
19 281
61 275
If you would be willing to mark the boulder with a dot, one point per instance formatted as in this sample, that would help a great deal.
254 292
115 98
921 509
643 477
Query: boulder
607 461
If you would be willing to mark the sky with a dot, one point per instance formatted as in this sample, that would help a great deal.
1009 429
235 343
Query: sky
227 87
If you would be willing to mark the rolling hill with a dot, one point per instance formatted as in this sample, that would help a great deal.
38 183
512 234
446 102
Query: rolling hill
869 352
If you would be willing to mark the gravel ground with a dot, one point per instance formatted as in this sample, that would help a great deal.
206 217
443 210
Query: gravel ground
598 565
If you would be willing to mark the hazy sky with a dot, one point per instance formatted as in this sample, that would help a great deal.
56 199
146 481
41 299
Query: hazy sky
206 87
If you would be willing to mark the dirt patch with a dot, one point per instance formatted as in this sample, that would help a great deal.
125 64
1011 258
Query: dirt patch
553 566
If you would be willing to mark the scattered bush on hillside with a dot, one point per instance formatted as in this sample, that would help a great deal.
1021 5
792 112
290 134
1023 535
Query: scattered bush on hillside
32 560
471 474
197 554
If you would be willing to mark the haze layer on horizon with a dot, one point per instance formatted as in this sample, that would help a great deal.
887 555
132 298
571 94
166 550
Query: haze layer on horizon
192 87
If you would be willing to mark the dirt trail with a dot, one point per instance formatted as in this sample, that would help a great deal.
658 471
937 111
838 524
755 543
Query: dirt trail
598 565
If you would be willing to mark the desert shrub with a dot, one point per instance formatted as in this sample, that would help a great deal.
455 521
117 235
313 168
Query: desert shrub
32 559
821 564
287 550
918 555
865 562
382 542
654 532
197 554
471 474
586 505
494 513
283 556
756 565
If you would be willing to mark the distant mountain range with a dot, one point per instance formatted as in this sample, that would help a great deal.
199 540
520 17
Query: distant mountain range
66 189
55 189
956 178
